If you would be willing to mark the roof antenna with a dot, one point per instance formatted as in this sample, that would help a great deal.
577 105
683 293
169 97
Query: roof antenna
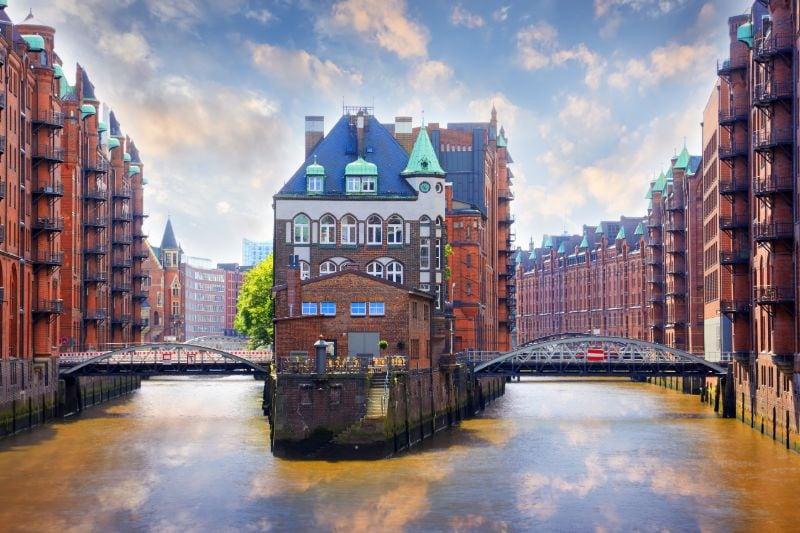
423 118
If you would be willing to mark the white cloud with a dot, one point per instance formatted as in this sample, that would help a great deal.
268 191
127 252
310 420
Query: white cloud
534 44
508 113
461 17
594 63
264 16
500 15
581 113
430 76
652 8
300 69
665 63
128 47
377 21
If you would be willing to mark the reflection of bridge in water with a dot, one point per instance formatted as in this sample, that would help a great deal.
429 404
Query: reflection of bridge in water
166 359
572 355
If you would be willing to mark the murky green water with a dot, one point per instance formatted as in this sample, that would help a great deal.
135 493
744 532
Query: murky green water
193 455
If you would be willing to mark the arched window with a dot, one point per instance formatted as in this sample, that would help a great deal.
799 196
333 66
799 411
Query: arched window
346 264
374 230
394 272
327 267
301 229
327 230
375 269
394 230
305 270
349 230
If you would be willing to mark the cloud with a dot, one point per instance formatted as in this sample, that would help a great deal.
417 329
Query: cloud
128 47
430 76
534 43
461 17
584 113
663 64
264 16
508 113
377 21
652 8
594 63
500 15
298 69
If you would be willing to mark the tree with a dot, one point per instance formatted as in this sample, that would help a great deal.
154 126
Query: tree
255 308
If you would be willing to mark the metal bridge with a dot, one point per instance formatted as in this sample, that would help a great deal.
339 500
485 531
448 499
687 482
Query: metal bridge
166 359
591 355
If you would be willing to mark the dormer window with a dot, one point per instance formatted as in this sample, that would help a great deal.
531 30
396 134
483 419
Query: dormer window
315 184
361 177
315 177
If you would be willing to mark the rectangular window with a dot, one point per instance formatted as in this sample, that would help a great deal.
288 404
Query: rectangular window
376 308
314 184
358 308
327 308
424 254
368 184
309 308
438 252
353 184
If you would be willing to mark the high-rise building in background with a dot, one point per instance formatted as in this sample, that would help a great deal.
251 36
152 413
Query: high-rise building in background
204 298
234 278
253 252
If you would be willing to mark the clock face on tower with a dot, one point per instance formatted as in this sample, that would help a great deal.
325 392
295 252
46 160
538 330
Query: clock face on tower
424 186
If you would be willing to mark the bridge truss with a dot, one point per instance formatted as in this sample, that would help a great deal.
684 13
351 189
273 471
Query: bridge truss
166 358
591 355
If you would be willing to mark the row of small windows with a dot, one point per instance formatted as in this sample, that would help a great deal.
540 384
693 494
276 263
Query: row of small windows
348 229
353 184
356 308
393 271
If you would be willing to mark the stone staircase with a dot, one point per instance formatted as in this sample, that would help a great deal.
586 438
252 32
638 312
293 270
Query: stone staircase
376 403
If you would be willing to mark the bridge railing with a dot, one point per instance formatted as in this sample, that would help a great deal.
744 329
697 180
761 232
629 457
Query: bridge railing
476 356
344 365
167 357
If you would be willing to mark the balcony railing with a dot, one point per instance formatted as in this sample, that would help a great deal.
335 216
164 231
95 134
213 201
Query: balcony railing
734 306
95 277
777 42
48 307
773 294
121 263
656 324
732 185
674 226
95 221
768 139
2 144
140 235
95 249
735 257
2 233
655 280
507 219
95 314
45 258
121 319
55 189
655 297
732 149
140 214
675 270
673 247
99 165
3 98
119 286
772 184
96 194
654 261
53 224
144 254
505 195
3 188
141 294
784 362
766 93
733 114
122 239
141 275
772 231
676 292
141 323
48 153
123 192
48 118
732 222
122 217
675 203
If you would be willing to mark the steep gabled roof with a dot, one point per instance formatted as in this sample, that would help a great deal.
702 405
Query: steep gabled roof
168 241
423 160
87 87
114 125
339 148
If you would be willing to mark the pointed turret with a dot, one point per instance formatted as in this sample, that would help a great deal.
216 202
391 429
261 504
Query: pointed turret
683 159
168 241
423 160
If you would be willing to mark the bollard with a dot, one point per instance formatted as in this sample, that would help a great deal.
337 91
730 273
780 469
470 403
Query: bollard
320 350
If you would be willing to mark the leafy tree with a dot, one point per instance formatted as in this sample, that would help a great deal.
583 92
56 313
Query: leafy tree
255 308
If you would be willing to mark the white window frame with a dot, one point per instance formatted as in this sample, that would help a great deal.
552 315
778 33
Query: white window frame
349 231
305 270
394 270
327 230
377 308
424 253
394 231
309 308
314 184
369 184
358 308
376 269
374 230
330 268
301 230
327 308
353 184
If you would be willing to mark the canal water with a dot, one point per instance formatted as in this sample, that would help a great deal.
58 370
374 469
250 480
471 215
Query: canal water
193 455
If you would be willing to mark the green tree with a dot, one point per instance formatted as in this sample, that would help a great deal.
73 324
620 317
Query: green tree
255 308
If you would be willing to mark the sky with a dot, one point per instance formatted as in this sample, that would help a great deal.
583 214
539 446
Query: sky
595 95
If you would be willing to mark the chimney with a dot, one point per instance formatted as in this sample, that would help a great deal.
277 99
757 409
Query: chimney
403 133
361 126
314 132
294 292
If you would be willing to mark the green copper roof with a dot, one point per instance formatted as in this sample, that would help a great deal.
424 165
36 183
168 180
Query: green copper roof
661 183
315 169
35 42
423 160
649 194
745 34
126 157
547 242
639 229
101 127
599 230
683 159
145 181
360 167
621 233
501 141
518 257
585 242
3 3
133 170
533 255
87 110
561 248
59 72
113 143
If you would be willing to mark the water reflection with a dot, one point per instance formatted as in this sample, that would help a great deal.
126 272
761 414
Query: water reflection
193 455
